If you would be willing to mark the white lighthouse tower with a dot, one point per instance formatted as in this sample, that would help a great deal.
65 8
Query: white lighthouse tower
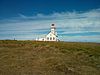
51 36
53 29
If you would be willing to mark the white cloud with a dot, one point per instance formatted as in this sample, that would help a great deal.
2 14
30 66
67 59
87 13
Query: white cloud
81 38
68 22
22 16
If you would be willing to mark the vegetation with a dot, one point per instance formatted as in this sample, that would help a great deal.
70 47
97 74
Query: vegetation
49 58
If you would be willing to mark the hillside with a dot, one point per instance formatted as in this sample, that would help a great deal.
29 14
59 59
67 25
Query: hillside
49 58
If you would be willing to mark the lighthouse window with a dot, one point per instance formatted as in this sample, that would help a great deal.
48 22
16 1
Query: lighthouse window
53 38
47 38
50 38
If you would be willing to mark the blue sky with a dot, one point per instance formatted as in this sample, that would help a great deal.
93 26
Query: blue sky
11 8
76 20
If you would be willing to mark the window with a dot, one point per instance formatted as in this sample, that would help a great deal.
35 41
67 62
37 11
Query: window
50 38
47 38
53 38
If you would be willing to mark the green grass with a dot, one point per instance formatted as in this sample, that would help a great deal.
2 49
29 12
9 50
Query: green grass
49 58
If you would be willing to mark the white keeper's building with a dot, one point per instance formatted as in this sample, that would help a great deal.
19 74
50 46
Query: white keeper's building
51 36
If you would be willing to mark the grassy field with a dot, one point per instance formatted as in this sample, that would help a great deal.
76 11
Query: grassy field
49 58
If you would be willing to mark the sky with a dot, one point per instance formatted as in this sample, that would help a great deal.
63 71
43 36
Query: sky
75 20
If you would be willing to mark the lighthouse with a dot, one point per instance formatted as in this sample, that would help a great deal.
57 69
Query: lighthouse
51 36
53 29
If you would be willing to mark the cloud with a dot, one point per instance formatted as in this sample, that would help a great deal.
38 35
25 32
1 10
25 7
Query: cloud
22 16
66 22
